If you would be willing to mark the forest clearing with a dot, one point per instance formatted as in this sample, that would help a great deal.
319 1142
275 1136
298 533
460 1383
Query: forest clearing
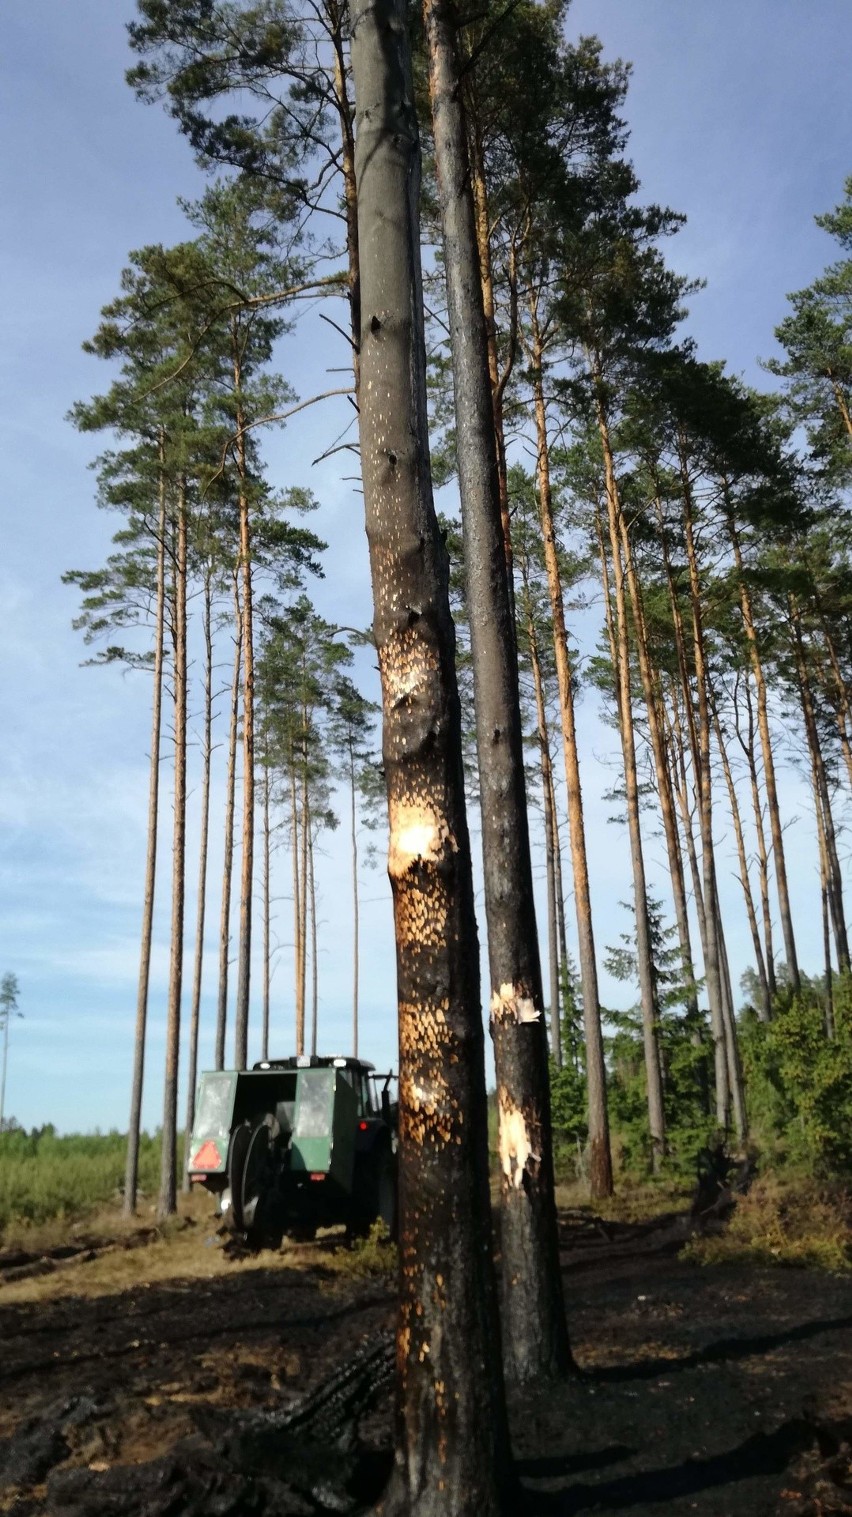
439 546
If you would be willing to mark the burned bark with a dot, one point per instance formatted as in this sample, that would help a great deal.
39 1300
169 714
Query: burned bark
535 1335
452 1451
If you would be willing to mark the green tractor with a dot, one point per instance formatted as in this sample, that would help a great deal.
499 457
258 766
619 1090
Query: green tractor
296 1144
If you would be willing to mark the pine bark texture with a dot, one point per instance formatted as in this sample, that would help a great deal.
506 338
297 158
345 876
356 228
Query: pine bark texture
452 1452
768 767
247 866
535 1333
198 960
600 1157
131 1173
228 849
167 1203
644 955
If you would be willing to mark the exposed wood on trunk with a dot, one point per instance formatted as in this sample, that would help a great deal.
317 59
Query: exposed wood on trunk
535 1332
131 1173
167 1202
452 1450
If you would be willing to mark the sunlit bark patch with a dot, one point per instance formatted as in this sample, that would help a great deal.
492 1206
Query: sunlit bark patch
510 1003
417 834
513 1140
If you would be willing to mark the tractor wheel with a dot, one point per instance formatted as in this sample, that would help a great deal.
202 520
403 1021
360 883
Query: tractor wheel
249 1173
374 1194
387 1209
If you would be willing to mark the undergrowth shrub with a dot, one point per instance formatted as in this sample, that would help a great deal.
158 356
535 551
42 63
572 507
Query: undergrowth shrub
784 1221
799 1081
43 1175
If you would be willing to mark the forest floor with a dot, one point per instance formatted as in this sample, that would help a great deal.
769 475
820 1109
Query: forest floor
723 1390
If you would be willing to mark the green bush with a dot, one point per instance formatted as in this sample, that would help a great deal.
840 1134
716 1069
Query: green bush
43 1175
799 1081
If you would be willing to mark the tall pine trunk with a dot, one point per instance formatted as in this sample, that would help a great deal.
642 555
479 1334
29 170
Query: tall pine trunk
644 953
267 910
764 1010
658 751
768 762
353 821
707 927
298 934
550 836
167 1203
198 965
600 1157
822 795
535 1332
452 1447
131 1173
228 848
747 743
247 865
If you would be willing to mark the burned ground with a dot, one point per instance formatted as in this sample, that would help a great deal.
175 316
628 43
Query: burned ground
718 1390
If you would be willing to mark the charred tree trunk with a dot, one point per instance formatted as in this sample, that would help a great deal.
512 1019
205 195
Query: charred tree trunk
131 1173
452 1449
535 1333
167 1203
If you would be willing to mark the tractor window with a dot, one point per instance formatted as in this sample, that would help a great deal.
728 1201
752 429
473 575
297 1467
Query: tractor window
214 1112
313 1111
366 1097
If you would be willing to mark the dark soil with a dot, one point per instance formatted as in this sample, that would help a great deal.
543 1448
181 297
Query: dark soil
724 1391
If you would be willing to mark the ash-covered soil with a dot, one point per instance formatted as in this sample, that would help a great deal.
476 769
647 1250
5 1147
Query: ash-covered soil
723 1391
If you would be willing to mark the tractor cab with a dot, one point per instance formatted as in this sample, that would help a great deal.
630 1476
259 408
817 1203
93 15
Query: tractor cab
296 1143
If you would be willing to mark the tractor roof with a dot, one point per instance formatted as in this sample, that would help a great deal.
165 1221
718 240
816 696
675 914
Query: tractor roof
316 1061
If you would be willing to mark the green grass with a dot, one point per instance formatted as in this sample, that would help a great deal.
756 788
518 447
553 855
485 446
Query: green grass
44 1176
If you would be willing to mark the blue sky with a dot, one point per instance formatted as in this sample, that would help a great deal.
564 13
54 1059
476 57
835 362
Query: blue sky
740 117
